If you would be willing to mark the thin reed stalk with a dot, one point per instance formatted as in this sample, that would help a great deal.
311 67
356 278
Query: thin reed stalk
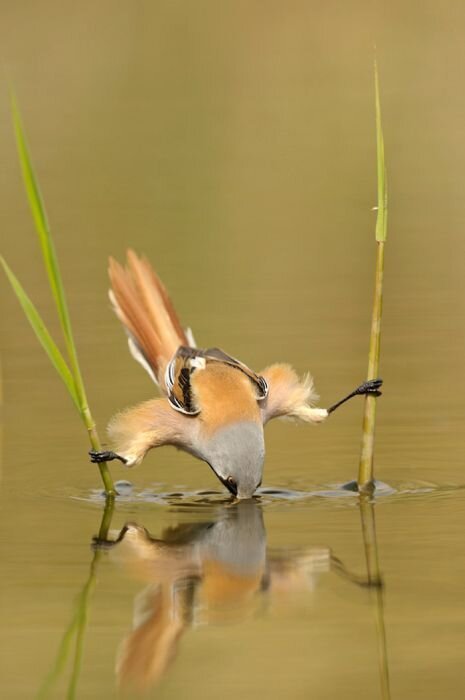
365 474
74 634
69 370
376 587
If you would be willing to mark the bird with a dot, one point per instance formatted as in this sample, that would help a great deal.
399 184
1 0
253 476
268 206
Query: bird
208 573
213 406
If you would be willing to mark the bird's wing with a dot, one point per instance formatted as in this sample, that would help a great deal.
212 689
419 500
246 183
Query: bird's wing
150 424
186 361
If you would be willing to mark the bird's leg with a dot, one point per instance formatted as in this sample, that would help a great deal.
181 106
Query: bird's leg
103 543
108 456
371 387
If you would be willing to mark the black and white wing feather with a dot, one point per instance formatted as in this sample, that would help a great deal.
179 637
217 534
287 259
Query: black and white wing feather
188 360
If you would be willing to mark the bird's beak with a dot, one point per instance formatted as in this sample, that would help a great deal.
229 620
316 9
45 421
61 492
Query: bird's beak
232 488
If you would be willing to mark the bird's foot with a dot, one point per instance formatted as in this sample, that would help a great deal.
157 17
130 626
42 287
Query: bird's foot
100 543
370 387
107 456
104 543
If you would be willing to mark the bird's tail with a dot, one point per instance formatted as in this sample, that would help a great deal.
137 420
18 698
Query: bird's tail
143 306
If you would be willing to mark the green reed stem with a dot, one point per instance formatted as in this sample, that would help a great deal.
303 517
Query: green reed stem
39 216
365 474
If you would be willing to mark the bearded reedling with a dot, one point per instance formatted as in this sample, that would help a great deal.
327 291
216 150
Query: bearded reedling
214 406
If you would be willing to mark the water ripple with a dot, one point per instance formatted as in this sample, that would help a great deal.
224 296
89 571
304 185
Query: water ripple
339 494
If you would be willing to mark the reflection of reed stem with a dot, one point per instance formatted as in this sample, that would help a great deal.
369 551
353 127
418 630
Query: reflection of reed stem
382 647
367 514
82 619
106 517
77 627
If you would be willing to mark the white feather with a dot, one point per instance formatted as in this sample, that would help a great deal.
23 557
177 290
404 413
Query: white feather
139 357
169 378
190 338
198 362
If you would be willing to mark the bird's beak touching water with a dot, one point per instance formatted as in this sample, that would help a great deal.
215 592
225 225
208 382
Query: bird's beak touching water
236 454
229 483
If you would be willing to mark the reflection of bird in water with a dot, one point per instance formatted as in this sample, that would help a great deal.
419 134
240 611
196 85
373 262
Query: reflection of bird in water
215 407
208 573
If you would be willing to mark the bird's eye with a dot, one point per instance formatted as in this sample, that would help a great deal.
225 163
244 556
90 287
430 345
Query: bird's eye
231 484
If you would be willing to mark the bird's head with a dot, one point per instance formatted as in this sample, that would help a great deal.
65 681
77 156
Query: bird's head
236 454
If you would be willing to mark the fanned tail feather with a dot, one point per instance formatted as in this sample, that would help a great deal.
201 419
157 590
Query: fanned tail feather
143 306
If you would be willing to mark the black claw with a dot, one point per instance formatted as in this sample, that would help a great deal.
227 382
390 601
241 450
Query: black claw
101 543
370 387
97 457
